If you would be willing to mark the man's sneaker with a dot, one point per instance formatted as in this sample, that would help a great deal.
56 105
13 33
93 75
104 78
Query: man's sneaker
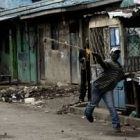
89 118
117 129
79 101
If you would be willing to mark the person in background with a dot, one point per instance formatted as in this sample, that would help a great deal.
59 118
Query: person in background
84 59
104 84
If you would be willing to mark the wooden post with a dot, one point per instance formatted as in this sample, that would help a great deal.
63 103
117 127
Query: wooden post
135 97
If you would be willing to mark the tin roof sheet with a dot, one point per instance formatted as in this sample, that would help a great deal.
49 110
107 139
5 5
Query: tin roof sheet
41 6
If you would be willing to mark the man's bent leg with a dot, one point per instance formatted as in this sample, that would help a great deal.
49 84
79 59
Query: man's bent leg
95 98
83 86
108 99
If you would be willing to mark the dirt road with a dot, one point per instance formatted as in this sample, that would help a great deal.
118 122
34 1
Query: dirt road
20 122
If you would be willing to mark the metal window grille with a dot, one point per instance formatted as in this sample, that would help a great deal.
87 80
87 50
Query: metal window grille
99 42
132 59
133 41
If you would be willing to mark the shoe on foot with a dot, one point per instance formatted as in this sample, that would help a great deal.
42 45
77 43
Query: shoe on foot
117 129
89 118
79 101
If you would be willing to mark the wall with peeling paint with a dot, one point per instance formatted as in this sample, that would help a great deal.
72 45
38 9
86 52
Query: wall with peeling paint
57 62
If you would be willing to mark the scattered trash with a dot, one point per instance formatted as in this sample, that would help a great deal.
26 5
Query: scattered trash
83 117
29 100
126 124
39 102
101 133
59 84
133 114
63 110
46 111
38 95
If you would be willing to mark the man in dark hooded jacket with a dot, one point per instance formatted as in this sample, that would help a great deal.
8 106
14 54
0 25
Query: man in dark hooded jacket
84 59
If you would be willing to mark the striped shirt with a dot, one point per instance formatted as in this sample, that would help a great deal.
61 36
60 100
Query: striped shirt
110 76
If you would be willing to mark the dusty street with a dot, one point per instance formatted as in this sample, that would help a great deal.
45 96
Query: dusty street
22 122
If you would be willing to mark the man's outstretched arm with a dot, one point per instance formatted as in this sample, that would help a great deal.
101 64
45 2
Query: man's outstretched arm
99 60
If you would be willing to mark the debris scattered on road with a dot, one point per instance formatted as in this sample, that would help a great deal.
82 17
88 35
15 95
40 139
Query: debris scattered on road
29 100
23 92
46 111
101 133
64 109
83 117
38 95
126 124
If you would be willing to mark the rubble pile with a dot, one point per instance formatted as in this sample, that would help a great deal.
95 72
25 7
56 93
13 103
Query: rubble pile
57 98
35 93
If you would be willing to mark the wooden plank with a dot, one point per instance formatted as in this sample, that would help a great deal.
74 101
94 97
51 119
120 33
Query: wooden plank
135 98
103 21
130 105
132 64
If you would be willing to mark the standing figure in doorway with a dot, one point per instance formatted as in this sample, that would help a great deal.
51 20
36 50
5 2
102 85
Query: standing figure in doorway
84 59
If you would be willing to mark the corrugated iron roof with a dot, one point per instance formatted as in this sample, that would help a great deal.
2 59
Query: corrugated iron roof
9 4
41 6
64 4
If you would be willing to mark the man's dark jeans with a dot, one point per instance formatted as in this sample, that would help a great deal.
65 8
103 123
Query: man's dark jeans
96 96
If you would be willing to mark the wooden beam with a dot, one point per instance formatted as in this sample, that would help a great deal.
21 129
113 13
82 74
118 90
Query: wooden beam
102 21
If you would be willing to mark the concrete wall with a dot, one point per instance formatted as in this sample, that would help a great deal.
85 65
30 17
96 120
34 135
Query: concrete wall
57 62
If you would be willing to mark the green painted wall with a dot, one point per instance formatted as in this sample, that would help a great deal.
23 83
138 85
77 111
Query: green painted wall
22 56
18 53
32 54
26 55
